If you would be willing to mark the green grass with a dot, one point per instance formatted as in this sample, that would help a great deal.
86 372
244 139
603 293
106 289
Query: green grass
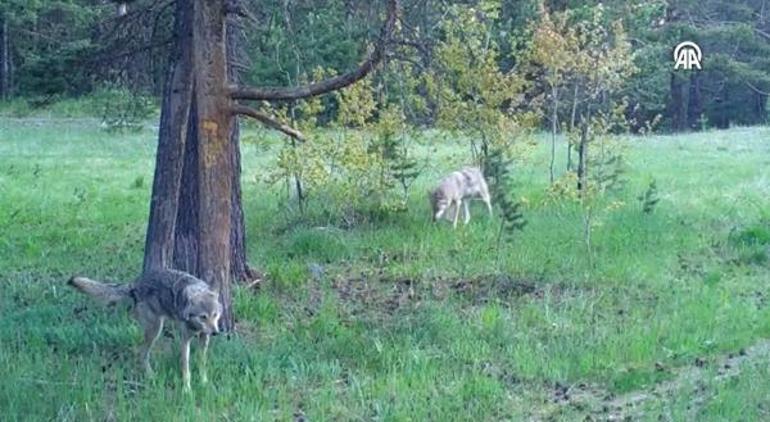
408 320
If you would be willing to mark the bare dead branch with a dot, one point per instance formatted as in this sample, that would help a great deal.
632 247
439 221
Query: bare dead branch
755 89
268 121
328 85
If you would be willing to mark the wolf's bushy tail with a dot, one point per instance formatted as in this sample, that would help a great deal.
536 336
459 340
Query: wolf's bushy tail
104 293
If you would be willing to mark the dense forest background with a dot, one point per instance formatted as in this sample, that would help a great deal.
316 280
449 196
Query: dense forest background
51 50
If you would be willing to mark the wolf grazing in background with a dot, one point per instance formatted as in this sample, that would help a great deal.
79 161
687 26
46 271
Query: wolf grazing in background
160 295
457 189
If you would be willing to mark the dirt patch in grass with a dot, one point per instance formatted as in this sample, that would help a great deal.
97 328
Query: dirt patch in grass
483 289
504 288
362 295
382 296
599 403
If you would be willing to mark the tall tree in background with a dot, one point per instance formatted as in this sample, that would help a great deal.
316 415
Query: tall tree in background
5 58
735 81
195 211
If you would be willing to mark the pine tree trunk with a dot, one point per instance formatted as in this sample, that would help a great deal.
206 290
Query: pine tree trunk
215 162
721 116
186 251
185 237
5 59
193 206
239 267
695 102
172 136
760 108
677 106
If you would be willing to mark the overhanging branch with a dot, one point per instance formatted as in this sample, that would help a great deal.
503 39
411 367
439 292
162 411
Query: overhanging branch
268 121
328 85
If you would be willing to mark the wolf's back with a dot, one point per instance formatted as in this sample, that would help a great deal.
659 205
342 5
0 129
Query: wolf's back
102 292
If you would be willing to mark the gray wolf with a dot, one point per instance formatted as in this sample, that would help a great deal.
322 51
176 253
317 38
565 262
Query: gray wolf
160 295
456 189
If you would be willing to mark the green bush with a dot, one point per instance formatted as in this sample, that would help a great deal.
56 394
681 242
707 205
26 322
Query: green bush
122 110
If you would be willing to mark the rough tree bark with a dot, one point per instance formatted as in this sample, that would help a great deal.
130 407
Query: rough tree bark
721 111
760 107
215 167
677 106
195 157
185 238
173 132
5 59
694 102
239 267
186 247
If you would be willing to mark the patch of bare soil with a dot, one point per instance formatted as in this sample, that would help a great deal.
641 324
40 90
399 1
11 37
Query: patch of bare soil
379 296
602 405
389 295
483 289
504 288
384 295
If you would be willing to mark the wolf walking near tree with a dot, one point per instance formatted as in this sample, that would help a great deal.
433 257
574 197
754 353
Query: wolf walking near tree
160 295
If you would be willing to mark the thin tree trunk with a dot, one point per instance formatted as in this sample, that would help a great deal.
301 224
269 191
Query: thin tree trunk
761 108
239 267
554 123
572 126
695 102
297 180
582 170
677 106
721 108
5 59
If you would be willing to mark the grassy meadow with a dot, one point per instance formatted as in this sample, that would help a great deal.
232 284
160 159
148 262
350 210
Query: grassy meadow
398 318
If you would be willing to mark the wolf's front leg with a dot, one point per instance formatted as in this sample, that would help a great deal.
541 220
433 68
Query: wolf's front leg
467 213
487 201
457 204
204 357
185 359
152 325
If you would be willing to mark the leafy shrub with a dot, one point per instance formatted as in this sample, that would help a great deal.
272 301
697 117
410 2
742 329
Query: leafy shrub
122 110
649 198
752 244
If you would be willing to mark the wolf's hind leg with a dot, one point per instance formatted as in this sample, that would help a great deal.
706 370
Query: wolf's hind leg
153 325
